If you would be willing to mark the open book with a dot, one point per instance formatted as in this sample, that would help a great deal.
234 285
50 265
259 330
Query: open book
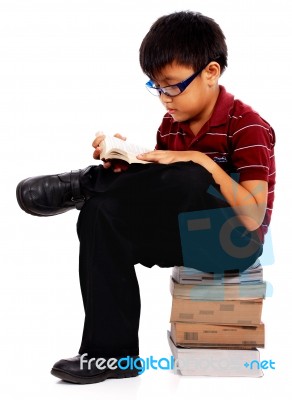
114 148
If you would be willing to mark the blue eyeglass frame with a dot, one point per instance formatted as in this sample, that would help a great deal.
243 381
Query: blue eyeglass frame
181 85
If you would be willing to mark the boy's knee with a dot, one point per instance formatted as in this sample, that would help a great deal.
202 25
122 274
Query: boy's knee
186 177
90 214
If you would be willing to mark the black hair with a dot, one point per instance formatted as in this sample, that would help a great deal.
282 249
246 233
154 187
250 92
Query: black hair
187 37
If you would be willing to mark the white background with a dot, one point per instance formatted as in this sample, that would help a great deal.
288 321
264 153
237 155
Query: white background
69 68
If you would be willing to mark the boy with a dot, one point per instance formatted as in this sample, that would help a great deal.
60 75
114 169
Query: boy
130 213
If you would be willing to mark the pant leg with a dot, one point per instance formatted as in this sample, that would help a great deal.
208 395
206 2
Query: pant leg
108 281
132 218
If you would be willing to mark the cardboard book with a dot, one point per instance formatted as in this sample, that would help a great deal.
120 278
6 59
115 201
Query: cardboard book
212 335
239 312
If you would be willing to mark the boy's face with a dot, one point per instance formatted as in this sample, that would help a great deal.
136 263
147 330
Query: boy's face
195 104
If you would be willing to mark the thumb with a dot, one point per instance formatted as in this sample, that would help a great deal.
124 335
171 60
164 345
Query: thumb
119 136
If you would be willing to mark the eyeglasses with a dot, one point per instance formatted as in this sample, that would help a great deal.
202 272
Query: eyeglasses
172 90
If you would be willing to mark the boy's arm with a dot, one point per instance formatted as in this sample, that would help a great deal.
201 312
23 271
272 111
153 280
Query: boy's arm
248 198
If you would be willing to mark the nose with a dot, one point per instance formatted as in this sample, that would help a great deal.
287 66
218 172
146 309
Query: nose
165 99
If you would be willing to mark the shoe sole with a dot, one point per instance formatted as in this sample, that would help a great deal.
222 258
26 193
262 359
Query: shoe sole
109 374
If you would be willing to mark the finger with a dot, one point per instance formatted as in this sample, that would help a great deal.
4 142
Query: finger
119 136
99 138
121 167
96 153
107 164
117 169
150 156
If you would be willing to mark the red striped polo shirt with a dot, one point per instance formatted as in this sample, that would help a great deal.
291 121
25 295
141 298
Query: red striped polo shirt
235 137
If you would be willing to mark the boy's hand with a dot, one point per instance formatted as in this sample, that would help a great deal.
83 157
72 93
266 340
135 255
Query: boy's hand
165 156
116 165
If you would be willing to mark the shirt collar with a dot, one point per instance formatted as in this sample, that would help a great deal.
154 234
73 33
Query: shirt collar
222 108
220 113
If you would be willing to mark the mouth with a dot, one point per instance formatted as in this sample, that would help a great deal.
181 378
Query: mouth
171 111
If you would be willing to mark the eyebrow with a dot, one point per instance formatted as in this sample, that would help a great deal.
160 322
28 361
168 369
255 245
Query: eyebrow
169 78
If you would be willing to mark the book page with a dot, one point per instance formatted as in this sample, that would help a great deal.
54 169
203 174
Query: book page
115 148
131 148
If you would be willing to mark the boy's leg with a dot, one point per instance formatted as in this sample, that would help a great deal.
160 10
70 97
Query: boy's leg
108 281
129 220
132 218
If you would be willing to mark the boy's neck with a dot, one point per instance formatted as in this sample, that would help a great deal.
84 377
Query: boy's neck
197 124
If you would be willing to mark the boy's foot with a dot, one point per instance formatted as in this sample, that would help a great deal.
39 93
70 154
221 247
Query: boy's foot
83 369
48 195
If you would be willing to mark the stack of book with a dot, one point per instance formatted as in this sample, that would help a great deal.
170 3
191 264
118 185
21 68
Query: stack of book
216 326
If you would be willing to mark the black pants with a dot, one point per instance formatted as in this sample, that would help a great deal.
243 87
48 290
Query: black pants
131 218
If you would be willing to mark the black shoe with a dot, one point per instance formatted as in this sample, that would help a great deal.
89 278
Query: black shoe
48 195
84 370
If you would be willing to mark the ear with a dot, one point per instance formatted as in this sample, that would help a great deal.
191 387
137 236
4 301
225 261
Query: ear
212 72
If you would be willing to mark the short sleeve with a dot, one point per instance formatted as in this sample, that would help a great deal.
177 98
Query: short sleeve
252 147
